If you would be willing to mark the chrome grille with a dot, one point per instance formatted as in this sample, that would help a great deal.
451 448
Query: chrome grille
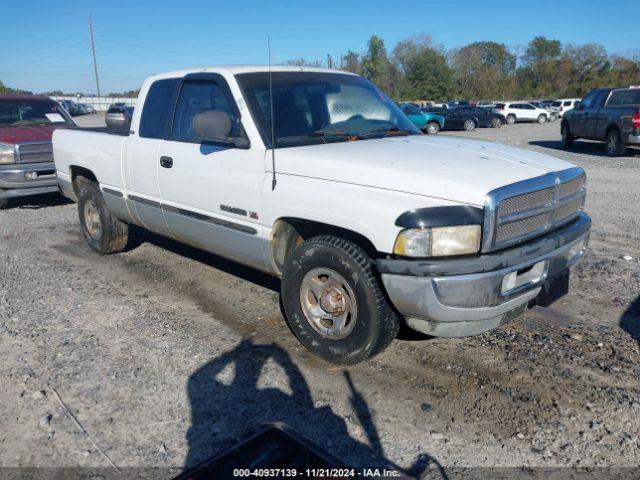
518 228
34 152
526 201
524 210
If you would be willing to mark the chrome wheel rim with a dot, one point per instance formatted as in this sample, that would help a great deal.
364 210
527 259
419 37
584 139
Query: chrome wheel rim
468 125
328 303
432 129
612 144
92 220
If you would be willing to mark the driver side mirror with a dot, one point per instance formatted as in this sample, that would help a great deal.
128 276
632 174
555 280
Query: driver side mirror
215 126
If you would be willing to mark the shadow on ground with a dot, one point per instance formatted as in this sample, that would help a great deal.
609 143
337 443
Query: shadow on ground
139 236
583 147
38 201
630 320
227 403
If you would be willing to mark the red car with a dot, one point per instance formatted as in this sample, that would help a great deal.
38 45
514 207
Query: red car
27 123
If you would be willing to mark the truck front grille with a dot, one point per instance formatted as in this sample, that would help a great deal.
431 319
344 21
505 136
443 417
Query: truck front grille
34 152
530 208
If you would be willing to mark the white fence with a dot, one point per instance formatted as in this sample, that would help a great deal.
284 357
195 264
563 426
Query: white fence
101 104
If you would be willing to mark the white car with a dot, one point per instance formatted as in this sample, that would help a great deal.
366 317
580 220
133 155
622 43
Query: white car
521 112
564 105
318 178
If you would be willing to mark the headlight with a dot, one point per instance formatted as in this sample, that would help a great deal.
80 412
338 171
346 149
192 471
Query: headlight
438 241
7 154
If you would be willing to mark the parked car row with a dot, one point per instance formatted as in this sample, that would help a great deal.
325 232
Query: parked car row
75 109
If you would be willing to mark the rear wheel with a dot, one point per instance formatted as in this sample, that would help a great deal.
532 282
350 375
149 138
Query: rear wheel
469 125
432 127
615 146
542 118
511 119
553 117
334 303
496 122
103 232
567 138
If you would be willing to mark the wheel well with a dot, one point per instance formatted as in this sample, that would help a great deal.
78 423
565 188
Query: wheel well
611 126
289 232
81 172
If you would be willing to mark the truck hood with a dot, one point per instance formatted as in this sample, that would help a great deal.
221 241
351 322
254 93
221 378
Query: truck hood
27 133
451 168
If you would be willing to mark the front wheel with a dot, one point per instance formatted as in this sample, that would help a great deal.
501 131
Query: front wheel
567 138
103 232
542 118
432 127
511 119
469 125
334 303
553 117
615 146
496 122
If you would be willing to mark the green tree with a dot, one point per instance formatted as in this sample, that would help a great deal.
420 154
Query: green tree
4 90
590 67
350 62
423 70
624 71
483 70
377 67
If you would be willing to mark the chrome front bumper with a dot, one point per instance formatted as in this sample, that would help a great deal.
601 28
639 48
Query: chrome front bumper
17 180
440 299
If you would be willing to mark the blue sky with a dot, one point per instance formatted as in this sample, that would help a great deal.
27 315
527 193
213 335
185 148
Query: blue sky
45 44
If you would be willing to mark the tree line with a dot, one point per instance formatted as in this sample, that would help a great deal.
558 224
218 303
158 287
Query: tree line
418 69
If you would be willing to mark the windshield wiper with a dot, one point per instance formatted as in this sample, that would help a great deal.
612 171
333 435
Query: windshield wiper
389 131
335 133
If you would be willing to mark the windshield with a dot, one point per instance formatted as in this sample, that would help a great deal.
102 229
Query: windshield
312 108
16 112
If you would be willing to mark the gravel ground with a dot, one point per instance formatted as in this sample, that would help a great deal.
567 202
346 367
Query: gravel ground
167 355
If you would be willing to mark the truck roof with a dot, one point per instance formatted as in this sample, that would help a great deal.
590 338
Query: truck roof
237 69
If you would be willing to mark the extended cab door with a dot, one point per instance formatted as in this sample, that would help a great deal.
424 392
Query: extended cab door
211 193
142 153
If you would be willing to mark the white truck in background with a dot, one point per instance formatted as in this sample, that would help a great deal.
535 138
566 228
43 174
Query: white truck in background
315 176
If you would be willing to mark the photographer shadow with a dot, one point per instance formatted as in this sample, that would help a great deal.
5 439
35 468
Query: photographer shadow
227 404
630 320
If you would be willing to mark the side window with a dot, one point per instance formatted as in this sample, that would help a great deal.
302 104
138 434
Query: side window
196 97
528 106
567 103
588 100
157 108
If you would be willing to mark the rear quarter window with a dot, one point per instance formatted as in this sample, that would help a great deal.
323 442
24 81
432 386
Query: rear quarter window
157 109
625 97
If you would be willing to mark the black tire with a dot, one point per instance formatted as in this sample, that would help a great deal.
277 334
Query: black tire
511 119
496 122
375 324
542 118
432 128
103 232
553 117
567 138
469 125
615 146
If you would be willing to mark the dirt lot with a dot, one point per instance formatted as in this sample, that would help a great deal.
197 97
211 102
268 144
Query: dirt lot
167 355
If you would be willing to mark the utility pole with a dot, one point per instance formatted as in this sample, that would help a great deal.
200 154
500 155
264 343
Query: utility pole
93 53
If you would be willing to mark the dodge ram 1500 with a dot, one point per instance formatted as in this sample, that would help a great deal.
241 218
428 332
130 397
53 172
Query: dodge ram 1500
315 176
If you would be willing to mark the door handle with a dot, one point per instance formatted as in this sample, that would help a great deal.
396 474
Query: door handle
166 162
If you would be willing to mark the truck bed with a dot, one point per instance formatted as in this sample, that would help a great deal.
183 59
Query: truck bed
98 149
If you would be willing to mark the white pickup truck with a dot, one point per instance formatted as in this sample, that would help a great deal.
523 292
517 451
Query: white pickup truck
315 176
